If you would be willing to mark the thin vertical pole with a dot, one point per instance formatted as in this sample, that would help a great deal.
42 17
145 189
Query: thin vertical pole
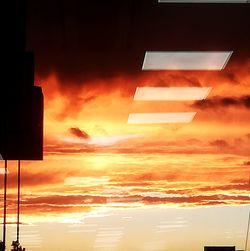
18 200
248 222
247 231
5 202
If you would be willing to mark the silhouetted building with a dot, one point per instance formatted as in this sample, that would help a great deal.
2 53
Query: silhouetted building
2 248
21 103
219 248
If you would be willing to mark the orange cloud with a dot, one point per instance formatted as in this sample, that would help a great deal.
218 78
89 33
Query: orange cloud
199 164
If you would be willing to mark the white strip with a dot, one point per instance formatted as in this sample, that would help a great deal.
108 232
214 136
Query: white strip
171 93
160 118
184 60
202 1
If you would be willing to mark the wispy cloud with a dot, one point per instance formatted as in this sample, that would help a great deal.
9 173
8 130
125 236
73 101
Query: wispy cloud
223 102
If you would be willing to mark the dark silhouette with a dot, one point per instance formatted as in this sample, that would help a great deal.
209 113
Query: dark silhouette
2 247
21 103
16 246
219 248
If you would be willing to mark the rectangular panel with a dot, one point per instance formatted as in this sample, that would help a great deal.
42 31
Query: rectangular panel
171 93
202 1
162 60
160 118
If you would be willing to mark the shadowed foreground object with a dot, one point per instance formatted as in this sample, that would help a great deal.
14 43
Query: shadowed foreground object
21 103
219 248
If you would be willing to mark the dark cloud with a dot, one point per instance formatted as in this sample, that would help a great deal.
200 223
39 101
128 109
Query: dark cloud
199 200
80 40
44 209
62 150
89 99
243 186
79 133
183 78
64 200
238 181
219 143
223 102
61 147
246 163
33 179
75 203
231 76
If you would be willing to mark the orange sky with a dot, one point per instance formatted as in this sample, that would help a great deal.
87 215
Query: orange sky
94 160
88 124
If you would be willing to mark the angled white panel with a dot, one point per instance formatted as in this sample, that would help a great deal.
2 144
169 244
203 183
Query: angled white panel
171 93
160 118
185 60
203 1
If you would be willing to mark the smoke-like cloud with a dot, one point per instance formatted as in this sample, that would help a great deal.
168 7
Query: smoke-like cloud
219 143
223 102
79 133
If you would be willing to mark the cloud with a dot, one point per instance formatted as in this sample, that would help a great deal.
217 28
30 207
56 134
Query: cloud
223 102
246 163
219 143
230 76
79 203
64 200
33 179
183 78
48 209
79 133
198 200
239 187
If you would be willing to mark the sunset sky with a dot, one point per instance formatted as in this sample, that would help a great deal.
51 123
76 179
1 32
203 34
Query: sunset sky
108 185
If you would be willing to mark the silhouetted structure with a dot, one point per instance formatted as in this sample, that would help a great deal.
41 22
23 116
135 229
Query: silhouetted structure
16 246
21 103
2 248
219 248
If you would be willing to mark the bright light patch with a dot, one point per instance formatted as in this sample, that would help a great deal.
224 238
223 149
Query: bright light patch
161 60
171 93
86 181
2 170
202 1
160 118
